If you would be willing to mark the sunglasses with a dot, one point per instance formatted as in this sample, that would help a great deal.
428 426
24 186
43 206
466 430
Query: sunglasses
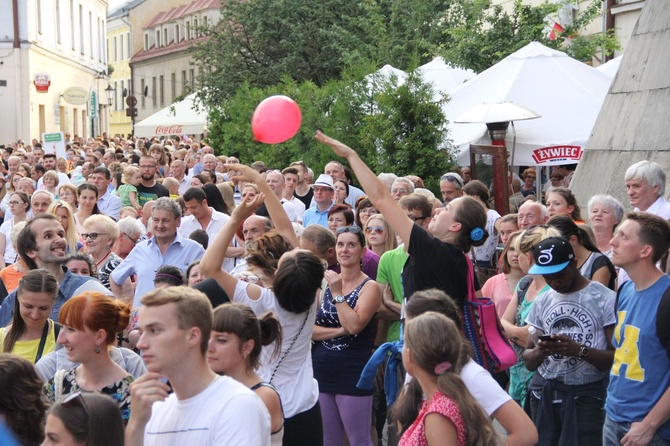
134 240
415 219
374 229
352 229
246 277
93 235
452 178
398 191
77 396
368 211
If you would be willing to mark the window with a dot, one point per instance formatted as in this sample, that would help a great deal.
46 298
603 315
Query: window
72 22
121 47
115 55
90 32
162 89
81 29
183 81
39 16
144 99
165 37
153 91
57 14
116 92
173 88
158 38
188 30
101 40
192 75
146 42
128 43
176 33
195 28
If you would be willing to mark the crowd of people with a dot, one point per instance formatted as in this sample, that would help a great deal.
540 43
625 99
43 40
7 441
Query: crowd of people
154 293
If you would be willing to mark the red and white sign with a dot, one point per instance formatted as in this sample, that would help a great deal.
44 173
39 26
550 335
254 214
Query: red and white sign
557 153
42 82
169 129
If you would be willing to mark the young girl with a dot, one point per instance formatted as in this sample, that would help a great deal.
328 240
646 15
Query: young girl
450 415
50 182
128 190
235 349
32 334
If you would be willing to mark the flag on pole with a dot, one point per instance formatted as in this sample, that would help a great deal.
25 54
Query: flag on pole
553 28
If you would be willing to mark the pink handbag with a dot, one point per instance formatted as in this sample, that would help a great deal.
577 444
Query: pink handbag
481 326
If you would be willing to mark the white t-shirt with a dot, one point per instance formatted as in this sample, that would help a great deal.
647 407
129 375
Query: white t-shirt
11 255
294 379
225 413
481 385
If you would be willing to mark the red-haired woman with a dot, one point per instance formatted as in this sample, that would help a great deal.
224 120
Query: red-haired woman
90 324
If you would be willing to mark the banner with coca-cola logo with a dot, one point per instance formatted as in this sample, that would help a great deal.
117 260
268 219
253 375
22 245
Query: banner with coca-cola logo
178 119
169 129
42 82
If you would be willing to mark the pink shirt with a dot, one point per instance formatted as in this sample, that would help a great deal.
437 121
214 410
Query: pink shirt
497 289
415 435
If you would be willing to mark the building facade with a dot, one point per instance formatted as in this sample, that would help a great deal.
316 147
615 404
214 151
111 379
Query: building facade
119 51
56 45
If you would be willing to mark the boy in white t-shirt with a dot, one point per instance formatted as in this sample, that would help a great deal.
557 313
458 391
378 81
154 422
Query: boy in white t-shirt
205 409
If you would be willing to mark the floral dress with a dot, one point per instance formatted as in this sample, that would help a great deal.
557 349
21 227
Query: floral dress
119 391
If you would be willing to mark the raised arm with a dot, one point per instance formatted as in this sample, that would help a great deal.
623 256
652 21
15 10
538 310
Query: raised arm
374 188
210 264
275 209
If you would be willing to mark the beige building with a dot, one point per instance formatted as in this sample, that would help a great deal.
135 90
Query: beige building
118 53
57 45
621 15
163 67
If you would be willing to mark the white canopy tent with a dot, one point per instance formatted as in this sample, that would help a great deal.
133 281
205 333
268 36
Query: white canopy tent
184 120
567 93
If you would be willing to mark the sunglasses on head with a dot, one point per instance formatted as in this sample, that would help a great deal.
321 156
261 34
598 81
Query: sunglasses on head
452 178
77 396
374 229
352 229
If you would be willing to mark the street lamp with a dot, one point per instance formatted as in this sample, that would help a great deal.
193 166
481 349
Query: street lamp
110 92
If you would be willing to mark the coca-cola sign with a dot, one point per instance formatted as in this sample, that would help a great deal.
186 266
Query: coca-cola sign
169 129
557 153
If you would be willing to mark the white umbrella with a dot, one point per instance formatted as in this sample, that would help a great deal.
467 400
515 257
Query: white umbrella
184 120
444 77
611 67
503 111
567 93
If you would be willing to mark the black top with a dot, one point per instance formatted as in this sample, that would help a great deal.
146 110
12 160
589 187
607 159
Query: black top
147 194
307 198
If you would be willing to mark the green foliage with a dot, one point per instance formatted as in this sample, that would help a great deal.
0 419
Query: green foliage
398 130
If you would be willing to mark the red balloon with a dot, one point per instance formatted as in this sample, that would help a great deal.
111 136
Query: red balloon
276 119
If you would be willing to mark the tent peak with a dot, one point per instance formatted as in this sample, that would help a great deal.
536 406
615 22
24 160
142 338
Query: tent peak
536 49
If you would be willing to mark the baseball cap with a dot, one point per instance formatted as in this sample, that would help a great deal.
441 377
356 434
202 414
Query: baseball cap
324 181
551 256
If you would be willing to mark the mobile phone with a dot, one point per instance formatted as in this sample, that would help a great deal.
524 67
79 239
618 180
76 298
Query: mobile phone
547 338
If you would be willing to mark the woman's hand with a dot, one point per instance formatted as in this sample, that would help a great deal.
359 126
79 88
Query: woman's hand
339 148
334 282
246 209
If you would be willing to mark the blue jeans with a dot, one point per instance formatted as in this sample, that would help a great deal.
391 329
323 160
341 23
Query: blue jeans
614 431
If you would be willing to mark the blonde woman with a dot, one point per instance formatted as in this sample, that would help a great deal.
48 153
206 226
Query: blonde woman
63 211
68 193
50 182
379 236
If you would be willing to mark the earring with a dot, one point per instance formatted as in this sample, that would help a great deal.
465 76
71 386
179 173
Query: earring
97 350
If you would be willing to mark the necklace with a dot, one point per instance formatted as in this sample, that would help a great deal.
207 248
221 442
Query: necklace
97 264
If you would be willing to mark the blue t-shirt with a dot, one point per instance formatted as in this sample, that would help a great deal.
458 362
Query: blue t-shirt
641 371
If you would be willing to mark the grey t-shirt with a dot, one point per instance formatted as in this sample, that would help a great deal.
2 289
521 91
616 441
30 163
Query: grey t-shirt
582 315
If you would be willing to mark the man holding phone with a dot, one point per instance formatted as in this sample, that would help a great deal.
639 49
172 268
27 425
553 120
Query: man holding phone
574 355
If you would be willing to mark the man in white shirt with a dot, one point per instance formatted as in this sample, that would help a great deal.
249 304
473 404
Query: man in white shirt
201 215
275 180
645 187
205 409
291 179
178 172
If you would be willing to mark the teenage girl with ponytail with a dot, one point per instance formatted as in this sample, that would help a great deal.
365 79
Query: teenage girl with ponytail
235 348
90 323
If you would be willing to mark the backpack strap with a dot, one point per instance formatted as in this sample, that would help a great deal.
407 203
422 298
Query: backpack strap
57 328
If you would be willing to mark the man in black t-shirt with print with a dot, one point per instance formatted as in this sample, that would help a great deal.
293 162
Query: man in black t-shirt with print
148 189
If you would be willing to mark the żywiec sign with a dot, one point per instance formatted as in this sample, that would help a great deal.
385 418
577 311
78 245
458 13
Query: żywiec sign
42 82
75 96
169 129
557 153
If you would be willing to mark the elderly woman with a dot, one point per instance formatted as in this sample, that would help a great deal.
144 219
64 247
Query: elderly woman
604 214
101 232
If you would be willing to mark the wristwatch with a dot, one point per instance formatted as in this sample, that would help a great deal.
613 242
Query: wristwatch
583 351
339 299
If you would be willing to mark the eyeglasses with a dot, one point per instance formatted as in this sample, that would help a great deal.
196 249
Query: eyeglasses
134 240
376 229
368 211
77 396
352 229
93 235
14 203
452 178
246 277
67 194
322 189
398 191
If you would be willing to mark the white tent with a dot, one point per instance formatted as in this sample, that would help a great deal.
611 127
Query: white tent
184 120
611 67
444 77
568 94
